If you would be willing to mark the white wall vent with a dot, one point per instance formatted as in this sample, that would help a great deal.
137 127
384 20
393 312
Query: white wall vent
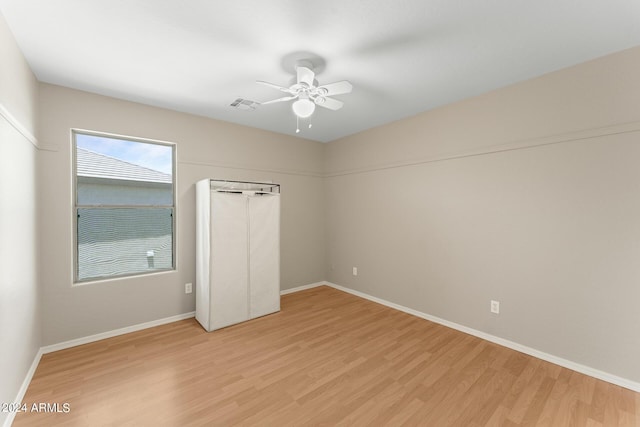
244 104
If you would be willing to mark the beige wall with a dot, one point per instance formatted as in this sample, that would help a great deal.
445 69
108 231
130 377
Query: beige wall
529 195
20 333
205 149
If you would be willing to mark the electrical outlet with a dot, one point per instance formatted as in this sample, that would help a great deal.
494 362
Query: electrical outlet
188 288
495 307
355 271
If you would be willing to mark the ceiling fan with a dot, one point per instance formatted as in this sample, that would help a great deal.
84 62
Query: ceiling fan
308 93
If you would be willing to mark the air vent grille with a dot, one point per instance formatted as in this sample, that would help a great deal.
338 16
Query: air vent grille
244 104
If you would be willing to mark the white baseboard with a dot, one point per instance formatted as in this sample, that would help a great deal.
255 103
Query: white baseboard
23 388
592 372
115 333
302 288
141 326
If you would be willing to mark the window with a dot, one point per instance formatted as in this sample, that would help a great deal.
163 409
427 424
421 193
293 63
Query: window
124 216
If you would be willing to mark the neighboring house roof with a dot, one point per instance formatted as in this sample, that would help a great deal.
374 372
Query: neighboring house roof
95 165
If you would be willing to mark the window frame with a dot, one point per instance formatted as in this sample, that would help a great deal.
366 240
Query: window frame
75 206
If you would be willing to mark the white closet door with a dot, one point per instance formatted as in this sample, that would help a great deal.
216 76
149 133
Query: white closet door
229 272
264 253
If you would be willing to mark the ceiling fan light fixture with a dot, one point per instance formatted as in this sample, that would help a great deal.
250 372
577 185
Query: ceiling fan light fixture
303 108
306 92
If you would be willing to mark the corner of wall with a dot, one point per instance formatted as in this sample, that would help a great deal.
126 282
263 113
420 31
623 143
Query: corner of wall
20 291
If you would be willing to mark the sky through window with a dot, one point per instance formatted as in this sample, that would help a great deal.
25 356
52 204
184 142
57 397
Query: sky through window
152 156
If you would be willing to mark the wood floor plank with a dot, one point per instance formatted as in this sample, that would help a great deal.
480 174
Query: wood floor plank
328 358
552 403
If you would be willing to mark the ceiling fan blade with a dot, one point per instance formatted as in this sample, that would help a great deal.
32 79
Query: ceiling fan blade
305 75
330 103
337 88
271 85
273 101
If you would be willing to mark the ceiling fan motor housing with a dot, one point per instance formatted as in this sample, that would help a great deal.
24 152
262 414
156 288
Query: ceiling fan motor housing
307 93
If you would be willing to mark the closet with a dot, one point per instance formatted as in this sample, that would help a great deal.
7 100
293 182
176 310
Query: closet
237 251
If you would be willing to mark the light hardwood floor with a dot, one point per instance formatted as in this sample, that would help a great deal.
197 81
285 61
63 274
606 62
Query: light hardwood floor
328 358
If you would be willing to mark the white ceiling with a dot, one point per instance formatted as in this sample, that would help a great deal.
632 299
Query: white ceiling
402 57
